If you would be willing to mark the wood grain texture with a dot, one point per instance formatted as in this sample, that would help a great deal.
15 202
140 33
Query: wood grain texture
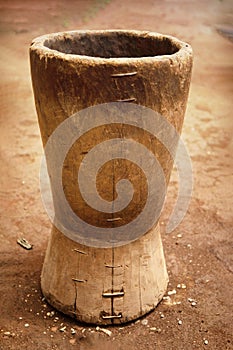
72 71
75 283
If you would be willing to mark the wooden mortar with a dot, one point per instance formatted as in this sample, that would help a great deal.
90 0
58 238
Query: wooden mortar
70 72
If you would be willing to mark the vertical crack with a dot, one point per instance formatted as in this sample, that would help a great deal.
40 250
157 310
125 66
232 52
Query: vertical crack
76 287
75 300
113 194
112 298
139 285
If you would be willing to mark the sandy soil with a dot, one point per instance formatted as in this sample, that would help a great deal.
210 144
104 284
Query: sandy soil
198 252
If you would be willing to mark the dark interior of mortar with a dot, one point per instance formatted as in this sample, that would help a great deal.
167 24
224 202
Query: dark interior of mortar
112 45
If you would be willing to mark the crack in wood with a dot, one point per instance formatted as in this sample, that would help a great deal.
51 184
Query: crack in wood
113 267
132 99
109 317
120 75
114 294
78 280
80 251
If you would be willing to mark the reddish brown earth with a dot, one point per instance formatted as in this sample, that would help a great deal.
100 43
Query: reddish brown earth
198 252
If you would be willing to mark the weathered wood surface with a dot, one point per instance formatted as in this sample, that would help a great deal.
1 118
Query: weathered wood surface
76 277
140 67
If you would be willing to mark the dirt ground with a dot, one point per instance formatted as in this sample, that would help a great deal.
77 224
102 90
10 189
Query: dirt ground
198 253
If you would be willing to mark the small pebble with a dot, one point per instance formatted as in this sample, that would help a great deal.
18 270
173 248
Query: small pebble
180 322
62 329
26 325
73 331
7 333
181 286
168 301
206 342
162 316
106 331
144 322
171 292
179 235
192 301
155 329
20 318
